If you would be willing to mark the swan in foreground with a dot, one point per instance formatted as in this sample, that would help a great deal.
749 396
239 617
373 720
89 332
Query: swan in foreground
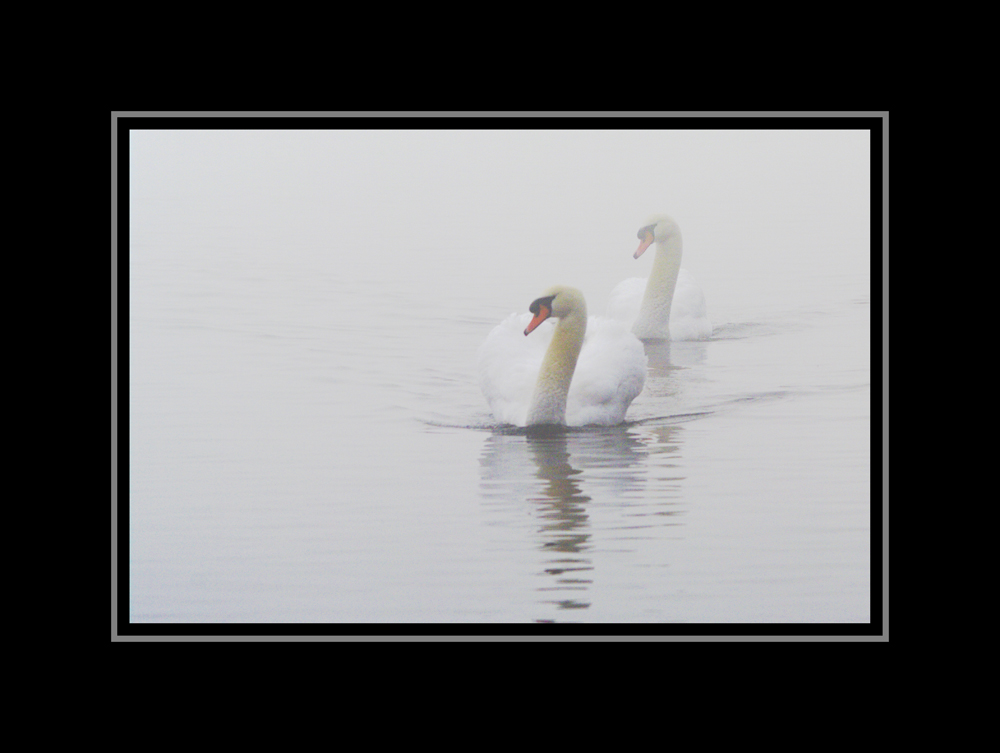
589 373
670 305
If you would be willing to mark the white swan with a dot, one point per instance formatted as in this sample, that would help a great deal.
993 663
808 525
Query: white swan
670 305
589 373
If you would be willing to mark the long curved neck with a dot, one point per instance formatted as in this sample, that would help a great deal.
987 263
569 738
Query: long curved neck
548 405
654 314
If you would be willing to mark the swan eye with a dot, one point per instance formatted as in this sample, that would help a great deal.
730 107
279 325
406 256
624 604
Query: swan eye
641 235
538 303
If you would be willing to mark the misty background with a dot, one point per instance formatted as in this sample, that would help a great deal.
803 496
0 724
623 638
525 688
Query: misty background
307 437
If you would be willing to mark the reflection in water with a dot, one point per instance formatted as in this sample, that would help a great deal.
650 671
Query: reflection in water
658 358
561 475
664 357
562 507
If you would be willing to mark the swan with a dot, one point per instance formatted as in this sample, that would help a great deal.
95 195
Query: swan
590 372
670 305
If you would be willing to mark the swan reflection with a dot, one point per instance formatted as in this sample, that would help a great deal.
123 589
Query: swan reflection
557 474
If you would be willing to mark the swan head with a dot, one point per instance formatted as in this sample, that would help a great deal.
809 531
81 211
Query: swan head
657 228
557 301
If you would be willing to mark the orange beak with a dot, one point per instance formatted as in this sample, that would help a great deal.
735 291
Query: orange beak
644 245
544 312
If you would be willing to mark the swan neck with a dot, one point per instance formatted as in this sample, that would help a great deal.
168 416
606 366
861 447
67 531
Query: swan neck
654 314
548 406
667 265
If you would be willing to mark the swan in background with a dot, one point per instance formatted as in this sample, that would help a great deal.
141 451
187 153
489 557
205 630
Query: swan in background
670 305
589 373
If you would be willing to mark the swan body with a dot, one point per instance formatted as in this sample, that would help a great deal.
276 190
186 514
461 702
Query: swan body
669 305
575 372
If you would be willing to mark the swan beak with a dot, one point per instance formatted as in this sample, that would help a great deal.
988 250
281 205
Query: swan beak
544 312
644 245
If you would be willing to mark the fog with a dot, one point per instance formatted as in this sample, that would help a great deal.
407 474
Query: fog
308 441
521 210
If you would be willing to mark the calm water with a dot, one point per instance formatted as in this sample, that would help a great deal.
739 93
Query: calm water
307 438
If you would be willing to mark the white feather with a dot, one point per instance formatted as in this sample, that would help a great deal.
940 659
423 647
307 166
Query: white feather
669 304
610 370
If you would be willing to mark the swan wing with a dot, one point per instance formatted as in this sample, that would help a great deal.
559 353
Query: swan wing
625 299
610 374
508 364
688 310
